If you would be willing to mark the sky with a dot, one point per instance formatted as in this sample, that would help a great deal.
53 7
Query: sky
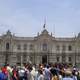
27 17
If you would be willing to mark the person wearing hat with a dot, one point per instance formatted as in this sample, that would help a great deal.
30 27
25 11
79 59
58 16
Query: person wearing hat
68 75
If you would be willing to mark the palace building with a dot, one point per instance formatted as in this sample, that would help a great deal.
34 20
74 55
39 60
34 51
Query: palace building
43 48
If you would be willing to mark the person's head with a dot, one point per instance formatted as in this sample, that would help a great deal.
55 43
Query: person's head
29 68
68 73
53 72
47 66
40 71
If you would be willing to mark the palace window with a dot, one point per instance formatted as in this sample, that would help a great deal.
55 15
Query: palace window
69 59
18 46
44 47
7 46
58 59
25 47
31 46
70 48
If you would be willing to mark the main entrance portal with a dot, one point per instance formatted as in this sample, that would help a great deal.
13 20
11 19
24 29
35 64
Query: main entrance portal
44 59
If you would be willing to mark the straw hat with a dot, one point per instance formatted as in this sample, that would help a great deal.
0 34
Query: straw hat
68 72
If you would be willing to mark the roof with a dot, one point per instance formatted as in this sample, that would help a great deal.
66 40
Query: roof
64 39
24 38
44 31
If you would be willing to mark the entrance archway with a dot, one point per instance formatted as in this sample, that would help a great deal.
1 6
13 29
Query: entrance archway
44 59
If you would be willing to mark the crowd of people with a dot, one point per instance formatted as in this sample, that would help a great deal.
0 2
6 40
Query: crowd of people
39 72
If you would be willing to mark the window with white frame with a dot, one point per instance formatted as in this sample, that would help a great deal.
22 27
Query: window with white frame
7 46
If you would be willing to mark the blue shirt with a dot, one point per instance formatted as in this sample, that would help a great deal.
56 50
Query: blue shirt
68 78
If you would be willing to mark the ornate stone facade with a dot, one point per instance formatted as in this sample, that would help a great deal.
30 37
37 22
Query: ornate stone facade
44 48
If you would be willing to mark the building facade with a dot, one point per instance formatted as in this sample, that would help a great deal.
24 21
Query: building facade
43 48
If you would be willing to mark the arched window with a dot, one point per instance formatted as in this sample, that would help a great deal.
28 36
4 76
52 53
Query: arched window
7 46
70 48
44 47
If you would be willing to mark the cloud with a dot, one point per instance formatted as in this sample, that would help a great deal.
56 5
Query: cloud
26 18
